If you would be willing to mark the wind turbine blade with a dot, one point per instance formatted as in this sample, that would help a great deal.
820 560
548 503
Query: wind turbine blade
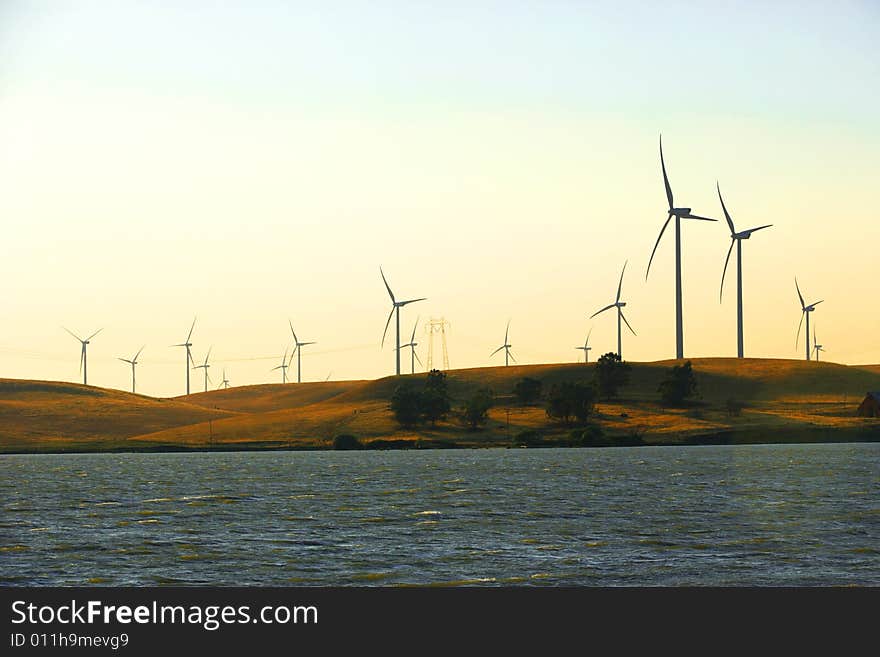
587 341
600 311
302 344
403 303
510 353
387 287
415 326
620 284
292 331
387 323
277 367
418 360
94 334
82 357
696 216
816 303
497 350
656 244
138 353
623 317
189 335
124 360
208 376
208 355
800 296
72 333
723 207
506 331
755 230
665 177
191 359
800 323
723 273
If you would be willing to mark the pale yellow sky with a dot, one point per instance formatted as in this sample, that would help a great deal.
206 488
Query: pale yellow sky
135 202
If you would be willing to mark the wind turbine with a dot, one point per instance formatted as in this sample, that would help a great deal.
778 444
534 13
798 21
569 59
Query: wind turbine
412 345
298 349
83 360
618 304
506 346
805 312
816 346
736 238
133 362
679 214
586 348
189 359
205 366
283 367
395 307
225 382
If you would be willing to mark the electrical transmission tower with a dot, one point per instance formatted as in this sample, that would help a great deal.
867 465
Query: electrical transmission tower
433 326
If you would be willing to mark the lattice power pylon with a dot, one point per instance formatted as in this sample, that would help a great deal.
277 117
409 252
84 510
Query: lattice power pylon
432 327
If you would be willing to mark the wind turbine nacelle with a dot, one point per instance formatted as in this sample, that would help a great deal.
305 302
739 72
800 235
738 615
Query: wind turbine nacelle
681 211
742 236
621 304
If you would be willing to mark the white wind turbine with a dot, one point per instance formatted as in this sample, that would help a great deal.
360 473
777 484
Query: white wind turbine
736 238
205 366
83 357
225 382
284 365
816 346
679 214
133 362
298 349
412 345
506 346
395 308
586 348
189 359
619 305
806 309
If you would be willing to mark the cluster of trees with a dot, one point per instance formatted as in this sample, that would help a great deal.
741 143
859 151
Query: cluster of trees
432 402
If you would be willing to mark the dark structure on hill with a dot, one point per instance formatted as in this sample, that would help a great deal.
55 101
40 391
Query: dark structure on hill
870 407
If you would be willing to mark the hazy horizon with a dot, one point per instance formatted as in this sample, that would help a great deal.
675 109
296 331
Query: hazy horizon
247 166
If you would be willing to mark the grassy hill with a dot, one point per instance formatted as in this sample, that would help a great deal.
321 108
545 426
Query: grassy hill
786 400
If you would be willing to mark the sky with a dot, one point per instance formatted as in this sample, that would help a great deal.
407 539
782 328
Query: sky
258 162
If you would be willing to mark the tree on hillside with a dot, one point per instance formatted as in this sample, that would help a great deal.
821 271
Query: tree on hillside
571 400
436 403
679 384
611 374
475 411
527 390
406 404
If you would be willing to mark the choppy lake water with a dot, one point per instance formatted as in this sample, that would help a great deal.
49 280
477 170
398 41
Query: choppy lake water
729 515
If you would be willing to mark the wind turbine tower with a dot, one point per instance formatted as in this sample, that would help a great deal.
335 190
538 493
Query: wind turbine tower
506 346
619 305
133 362
83 356
189 359
395 308
205 366
412 345
586 348
806 309
298 349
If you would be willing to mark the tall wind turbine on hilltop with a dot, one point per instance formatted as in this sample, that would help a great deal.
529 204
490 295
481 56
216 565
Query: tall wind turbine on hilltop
298 349
189 359
816 346
806 309
619 305
83 357
679 214
225 382
205 366
586 348
283 367
506 346
133 362
395 307
736 238
412 345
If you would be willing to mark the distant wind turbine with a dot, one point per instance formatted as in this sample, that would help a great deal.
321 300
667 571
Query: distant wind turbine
816 346
806 309
506 346
225 382
83 357
619 305
679 214
586 348
395 307
412 345
298 349
736 238
133 362
283 367
205 366
189 359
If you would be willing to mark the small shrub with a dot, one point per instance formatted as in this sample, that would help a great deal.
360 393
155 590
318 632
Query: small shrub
475 411
346 441
568 401
679 384
406 404
611 374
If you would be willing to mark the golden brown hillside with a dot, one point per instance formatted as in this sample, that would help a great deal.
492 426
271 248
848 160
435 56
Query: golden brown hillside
790 400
